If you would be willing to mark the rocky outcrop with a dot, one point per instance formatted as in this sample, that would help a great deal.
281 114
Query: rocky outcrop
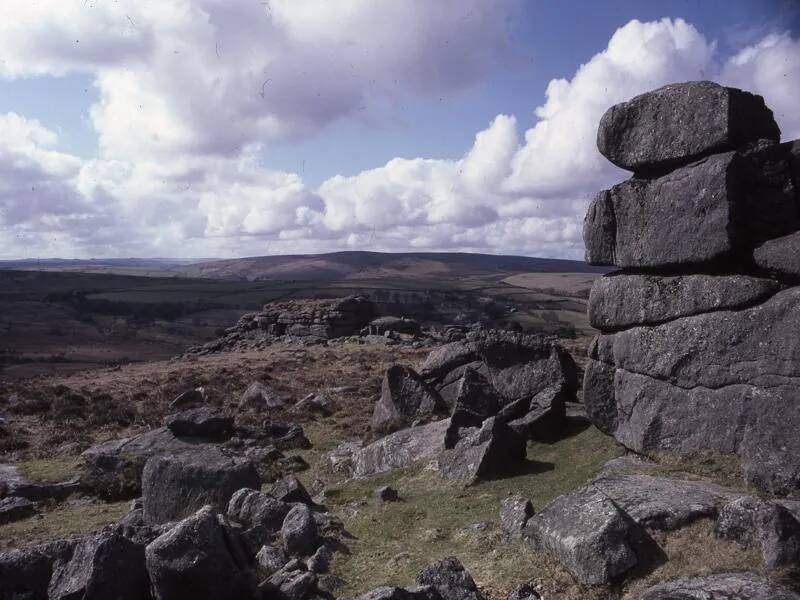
697 350
173 487
405 399
723 586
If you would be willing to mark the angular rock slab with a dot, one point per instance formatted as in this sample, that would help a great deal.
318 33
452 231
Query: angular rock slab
780 256
173 487
686 217
400 449
450 579
405 398
680 122
25 573
494 449
726 381
199 559
723 586
620 301
587 533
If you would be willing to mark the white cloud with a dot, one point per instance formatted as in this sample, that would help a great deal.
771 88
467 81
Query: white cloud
191 91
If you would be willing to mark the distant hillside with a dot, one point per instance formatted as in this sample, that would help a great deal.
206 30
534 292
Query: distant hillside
379 265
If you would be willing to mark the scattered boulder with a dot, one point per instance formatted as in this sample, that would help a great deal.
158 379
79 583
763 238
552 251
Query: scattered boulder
319 403
203 422
449 577
381 325
199 559
260 396
514 514
102 565
387 494
291 582
270 559
722 586
587 533
405 398
260 515
679 123
299 532
25 573
321 560
475 401
174 487
484 453
289 489
113 469
15 508
286 436
188 399
400 449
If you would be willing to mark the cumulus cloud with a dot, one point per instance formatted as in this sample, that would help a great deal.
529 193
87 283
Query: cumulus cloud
192 91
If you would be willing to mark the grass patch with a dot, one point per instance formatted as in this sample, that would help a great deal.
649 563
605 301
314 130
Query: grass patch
61 522
392 542
50 470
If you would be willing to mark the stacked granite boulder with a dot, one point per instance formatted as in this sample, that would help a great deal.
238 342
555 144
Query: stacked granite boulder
699 347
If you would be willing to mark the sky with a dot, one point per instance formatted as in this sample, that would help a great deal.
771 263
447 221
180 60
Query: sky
226 128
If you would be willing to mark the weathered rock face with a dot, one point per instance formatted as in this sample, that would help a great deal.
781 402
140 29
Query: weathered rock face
204 422
694 361
26 572
199 559
174 487
15 508
723 586
678 123
299 532
405 398
400 449
449 577
514 514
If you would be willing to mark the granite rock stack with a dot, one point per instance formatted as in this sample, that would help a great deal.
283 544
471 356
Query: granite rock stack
699 345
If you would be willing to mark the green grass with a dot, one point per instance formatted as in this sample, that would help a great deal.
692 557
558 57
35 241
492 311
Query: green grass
50 470
392 542
64 521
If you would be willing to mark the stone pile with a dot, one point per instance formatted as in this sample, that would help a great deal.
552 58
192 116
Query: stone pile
698 349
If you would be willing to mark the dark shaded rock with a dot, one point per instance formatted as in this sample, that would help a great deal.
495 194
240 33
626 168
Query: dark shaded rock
15 508
321 560
289 489
314 403
514 513
25 573
699 203
199 559
446 358
587 533
599 396
270 559
174 487
381 325
387 494
737 521
290 583
662 502
545 413
299 532
723 586
286 436
400 449
619 301
204 422
678 123
780 256
113 469
703 382
524 592
451 580
261 396
476 400
385 593
405 398
102 565
189 398
486 453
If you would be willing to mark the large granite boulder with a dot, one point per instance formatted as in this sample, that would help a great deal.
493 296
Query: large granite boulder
25 573
620 301
722 586
113 469
174 487
201 558
680 122
400 449
405 398
780 256
299 533
483 453
587 533
724 381
102 565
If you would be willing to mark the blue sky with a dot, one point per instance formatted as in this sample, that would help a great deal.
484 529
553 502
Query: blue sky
143 127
